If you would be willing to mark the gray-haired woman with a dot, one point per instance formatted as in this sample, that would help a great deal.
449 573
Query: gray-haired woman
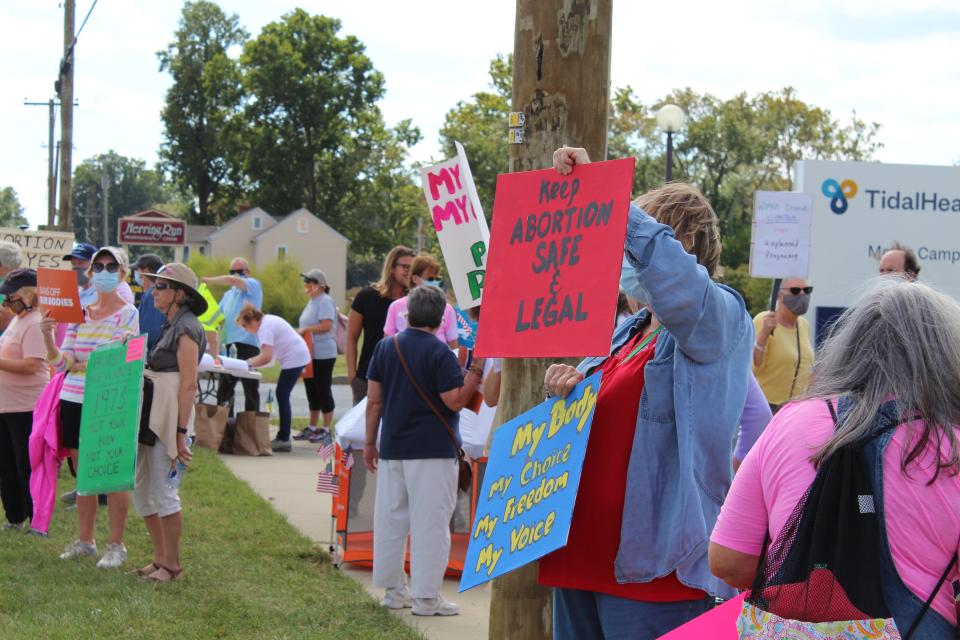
891 371
416 458
10 259
173 370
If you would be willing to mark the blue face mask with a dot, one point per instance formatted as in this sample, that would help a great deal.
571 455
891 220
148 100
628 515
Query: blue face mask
138 277
106 281
631 284
434 283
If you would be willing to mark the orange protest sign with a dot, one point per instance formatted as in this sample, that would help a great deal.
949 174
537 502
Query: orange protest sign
58 293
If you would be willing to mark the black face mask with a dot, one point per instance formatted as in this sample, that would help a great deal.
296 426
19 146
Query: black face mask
16 306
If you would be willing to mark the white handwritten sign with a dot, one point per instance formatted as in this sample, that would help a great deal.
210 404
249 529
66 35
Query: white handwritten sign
780 242
460 225
41 249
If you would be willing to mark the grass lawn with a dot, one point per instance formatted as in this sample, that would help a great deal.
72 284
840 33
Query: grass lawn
247 574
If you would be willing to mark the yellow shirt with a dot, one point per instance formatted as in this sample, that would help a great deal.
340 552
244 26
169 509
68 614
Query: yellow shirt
776 373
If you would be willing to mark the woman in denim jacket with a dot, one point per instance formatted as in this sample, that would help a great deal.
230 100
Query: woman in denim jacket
657 465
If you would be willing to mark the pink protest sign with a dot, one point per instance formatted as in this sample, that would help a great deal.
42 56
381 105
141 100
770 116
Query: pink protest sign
135 348
720 623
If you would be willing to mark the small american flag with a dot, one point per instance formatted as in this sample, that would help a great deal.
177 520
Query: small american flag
326 450
346 458
327 483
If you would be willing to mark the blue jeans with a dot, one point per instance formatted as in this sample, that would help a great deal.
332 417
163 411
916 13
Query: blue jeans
285 383
587 614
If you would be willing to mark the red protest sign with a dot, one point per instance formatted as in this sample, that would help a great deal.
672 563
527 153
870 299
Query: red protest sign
58 294
554 262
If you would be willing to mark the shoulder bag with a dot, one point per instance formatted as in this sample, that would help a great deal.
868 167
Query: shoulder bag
465 479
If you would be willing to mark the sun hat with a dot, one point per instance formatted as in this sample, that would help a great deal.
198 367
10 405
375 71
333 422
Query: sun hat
186 278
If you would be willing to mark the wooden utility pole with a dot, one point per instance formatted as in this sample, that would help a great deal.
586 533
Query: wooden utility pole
51 180
561 83
65 90
105 197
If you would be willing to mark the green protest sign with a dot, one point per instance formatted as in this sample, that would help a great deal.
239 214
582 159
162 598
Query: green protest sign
111 418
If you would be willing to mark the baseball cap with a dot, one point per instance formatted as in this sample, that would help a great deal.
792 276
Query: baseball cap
149 261
81 251
316 275
17 279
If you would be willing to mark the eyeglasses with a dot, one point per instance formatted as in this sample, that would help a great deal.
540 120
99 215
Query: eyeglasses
405 267
236 272
111 267
798 290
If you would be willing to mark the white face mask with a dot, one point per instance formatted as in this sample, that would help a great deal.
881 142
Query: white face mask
631 284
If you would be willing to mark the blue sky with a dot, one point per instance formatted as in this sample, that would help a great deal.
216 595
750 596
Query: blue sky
894 62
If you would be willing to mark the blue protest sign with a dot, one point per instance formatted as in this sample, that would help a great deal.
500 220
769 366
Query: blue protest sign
530 485
466 328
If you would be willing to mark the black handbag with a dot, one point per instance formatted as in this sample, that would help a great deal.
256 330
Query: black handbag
146 435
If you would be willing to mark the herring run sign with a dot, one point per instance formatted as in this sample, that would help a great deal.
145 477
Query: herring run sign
152 228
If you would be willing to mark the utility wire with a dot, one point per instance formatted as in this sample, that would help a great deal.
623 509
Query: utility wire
66 57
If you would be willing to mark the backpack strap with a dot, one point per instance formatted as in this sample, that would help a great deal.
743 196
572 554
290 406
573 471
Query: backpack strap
933 594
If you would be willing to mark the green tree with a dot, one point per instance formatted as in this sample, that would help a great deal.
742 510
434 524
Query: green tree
11 211
199 116
480 125
310 107
132 188
387 202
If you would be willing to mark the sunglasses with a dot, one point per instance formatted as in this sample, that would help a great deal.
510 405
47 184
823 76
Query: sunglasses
111 267
310 281
236 272
163 286
798 290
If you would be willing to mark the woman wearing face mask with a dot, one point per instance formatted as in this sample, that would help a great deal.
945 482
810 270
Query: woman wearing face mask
23 376
319 319
783 353
108 319
658 461
425 270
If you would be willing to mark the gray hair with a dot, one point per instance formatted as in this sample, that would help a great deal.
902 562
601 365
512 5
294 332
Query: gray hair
10 255
425 307
900 339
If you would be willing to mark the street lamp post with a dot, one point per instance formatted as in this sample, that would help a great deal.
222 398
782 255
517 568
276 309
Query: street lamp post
670 119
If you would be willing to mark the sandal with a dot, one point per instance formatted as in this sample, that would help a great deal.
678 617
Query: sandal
147 570
164 574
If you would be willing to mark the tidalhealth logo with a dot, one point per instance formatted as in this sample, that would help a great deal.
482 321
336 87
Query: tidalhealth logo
839 193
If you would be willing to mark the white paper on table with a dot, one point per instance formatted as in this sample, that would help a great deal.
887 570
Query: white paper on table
234 363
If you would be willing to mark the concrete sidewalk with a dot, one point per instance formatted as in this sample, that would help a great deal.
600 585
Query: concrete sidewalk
289 482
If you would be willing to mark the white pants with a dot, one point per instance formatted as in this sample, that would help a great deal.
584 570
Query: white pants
414 497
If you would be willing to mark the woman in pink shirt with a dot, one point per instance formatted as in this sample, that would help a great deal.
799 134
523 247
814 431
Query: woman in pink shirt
893 360
425 270
23 375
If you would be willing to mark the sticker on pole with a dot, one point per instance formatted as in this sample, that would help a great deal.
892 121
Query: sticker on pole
530 485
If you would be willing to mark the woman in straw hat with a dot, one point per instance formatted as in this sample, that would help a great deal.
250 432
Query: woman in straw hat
107 319
173 369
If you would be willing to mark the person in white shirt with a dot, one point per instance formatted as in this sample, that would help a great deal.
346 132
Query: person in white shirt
281 342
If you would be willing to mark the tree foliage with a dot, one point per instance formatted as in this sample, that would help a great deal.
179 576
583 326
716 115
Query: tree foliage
11 211
132 188
310 114
200 127
480 125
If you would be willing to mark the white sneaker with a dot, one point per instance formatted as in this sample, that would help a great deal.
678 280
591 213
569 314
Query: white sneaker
79 548
397 598
438 606
114 556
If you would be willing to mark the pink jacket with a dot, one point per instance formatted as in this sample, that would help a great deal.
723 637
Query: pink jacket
46 454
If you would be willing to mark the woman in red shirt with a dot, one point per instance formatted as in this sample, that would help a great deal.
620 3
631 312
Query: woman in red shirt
589 601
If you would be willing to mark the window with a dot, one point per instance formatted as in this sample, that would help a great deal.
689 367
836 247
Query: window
257 222
303 225
281 252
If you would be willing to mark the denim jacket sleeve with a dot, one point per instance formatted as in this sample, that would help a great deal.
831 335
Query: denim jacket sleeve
705 318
